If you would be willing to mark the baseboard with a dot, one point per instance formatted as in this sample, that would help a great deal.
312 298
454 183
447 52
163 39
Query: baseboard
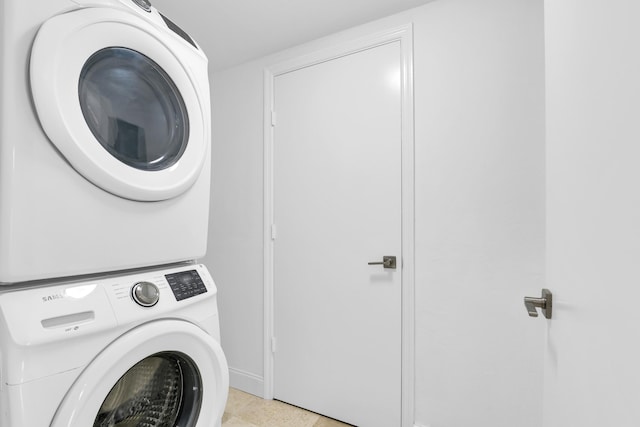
246 381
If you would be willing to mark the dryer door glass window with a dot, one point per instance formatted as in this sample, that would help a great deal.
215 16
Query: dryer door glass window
133 108
160 390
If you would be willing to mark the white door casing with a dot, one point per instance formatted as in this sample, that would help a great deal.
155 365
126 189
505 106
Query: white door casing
401 40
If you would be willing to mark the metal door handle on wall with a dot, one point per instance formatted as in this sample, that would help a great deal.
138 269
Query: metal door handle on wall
387 262
545 302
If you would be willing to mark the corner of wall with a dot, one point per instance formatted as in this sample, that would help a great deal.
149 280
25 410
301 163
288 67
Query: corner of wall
247 382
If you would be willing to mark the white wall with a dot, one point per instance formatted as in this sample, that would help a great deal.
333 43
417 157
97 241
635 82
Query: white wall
479 114
234 254
593 178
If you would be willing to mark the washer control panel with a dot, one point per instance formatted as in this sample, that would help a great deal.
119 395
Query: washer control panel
186 284
145 294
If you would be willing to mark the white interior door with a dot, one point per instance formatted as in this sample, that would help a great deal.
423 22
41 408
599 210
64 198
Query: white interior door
592 368
337 206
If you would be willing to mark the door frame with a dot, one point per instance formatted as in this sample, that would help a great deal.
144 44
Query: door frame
404 35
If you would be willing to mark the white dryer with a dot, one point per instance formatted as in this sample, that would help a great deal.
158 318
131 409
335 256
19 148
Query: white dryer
134 350
104 139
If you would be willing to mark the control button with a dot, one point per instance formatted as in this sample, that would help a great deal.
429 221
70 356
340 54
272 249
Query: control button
145 294
143 4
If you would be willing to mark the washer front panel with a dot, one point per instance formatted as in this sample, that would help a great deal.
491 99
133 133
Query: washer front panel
80 314
60 53
84 404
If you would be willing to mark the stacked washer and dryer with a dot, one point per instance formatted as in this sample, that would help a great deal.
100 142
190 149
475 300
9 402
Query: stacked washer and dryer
105 319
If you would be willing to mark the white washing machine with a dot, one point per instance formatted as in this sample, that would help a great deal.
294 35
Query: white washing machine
135 350
104 139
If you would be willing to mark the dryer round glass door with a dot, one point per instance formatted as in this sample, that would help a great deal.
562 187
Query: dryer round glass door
133 108
167 373
124 99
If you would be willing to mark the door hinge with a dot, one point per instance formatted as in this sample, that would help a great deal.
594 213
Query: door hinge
273 344
273 118
273 232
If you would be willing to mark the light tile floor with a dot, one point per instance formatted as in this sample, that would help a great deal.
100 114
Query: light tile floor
247 410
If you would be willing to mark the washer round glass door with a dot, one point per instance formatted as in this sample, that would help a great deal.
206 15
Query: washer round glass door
163 389
124 101
160 373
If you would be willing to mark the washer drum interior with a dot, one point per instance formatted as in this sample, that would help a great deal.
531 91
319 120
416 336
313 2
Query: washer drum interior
162 390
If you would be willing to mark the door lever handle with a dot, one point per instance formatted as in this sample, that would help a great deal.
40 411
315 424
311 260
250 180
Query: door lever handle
545 302
387 262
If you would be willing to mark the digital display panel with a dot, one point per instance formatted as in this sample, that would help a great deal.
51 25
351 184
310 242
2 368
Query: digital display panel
186 284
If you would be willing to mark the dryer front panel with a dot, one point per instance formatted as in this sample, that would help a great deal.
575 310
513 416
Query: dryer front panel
105 146
121 96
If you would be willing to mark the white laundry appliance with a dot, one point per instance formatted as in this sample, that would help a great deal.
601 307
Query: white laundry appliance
134 350
104 139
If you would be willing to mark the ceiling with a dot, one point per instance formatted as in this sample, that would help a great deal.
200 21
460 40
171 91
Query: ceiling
234 31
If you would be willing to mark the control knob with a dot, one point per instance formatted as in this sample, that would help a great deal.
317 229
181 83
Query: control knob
143 4
145 294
